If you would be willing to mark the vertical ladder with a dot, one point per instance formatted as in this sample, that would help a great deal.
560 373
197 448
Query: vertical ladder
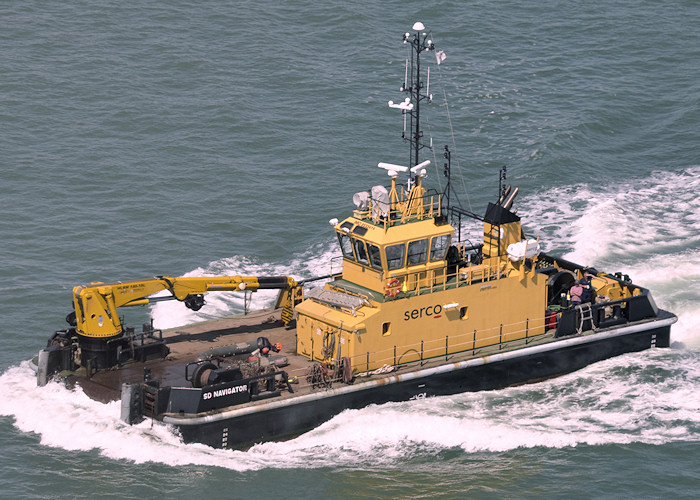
585 313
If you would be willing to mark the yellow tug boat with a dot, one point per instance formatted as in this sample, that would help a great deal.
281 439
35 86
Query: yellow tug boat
417 311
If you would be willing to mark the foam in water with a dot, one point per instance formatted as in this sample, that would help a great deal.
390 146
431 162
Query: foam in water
648 397
621 222
651 397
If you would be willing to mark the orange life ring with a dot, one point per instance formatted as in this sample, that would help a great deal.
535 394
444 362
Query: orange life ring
393 287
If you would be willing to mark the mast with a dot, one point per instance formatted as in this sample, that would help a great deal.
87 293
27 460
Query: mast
419 42
412 85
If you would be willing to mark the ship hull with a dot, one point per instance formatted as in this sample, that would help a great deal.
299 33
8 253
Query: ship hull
279 420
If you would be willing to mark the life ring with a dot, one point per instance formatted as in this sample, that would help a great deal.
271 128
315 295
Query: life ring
393 287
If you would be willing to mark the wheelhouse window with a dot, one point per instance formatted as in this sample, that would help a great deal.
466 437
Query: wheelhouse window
375 256
360 251
346 246
439 247
395 256
417 252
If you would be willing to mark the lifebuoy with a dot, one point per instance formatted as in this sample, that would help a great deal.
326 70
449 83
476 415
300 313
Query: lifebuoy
393 287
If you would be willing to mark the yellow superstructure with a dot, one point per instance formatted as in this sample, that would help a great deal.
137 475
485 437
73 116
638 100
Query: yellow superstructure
408 292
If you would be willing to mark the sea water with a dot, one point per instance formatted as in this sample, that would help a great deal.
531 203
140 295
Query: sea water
200 138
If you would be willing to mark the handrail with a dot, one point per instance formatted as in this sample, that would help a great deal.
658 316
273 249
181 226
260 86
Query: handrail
432 280
469 344
430 350
431 207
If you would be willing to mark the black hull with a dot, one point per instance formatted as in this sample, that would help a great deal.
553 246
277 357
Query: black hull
240 428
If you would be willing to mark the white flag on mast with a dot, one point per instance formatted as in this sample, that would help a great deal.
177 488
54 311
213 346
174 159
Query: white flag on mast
440 56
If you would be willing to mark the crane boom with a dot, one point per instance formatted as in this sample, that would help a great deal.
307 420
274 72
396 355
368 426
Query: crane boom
96 304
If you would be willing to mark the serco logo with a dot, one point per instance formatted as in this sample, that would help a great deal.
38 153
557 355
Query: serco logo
433 311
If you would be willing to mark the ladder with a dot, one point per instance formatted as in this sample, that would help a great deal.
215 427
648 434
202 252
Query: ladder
585 313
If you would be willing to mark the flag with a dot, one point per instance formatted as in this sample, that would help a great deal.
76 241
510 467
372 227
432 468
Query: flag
440 56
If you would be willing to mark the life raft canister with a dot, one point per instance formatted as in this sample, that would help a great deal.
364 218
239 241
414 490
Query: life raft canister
393 287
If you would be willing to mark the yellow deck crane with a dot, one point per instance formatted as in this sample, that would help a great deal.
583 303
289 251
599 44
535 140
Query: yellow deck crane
103 340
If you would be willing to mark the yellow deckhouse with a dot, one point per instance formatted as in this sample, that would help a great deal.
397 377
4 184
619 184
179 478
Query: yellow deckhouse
410 289
408 292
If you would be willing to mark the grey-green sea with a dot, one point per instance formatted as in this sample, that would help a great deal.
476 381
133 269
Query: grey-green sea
189 138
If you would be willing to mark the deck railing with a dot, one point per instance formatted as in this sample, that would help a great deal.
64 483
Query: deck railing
405 210
416 354
434 280
437 280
